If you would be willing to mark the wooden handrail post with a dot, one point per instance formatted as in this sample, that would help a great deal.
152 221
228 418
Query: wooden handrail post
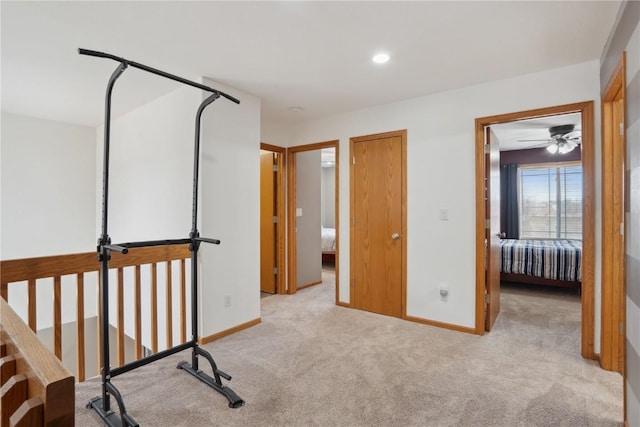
138 325
154 307
120 321
80 365
168 312
33 318
57 317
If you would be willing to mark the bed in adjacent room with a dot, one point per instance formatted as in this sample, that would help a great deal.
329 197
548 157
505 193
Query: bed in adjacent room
541 262
328 237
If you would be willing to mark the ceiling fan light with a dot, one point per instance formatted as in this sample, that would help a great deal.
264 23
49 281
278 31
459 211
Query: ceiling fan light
552 148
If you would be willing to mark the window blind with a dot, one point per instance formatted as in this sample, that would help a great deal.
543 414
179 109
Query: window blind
550 200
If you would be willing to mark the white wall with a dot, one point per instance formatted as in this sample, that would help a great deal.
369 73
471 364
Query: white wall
230 178
150 173
48 198
441 174
48 202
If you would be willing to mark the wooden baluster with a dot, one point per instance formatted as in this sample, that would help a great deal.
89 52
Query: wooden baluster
120 323
183 301
30 413
154 308
7 368
4 294
168 313
80 368
57 317
138 325
33 323
12 394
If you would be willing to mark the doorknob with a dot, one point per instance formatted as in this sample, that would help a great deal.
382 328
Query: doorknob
395 236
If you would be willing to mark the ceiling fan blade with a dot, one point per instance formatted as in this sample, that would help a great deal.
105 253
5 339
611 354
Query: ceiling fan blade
573 136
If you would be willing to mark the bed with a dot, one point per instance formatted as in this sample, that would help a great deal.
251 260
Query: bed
541 262
328 237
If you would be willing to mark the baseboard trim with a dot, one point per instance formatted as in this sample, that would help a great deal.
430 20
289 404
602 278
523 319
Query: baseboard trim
343 304
308 285
441 324
238 328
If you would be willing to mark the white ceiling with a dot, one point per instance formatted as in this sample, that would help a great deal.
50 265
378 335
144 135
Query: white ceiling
316 55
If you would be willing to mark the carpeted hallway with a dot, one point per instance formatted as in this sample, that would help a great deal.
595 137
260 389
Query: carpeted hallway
312 363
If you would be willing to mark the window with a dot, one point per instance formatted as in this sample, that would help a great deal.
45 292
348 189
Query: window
550 199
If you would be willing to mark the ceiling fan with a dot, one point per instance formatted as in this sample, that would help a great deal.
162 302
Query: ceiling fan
563 139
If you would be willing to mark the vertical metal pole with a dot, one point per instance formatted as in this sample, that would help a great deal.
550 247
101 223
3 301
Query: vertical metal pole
104 253
107 134
194 230
196 160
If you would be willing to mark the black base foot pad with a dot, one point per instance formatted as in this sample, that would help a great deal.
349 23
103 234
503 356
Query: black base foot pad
234 400
111 418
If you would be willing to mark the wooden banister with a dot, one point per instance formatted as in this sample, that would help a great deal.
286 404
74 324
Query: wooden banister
61 270
38 374
17 270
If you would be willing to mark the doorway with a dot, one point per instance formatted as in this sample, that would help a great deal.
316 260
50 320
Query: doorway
378 223
272 220
308 216
485 286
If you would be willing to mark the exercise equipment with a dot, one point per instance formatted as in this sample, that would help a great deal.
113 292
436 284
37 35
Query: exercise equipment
102 404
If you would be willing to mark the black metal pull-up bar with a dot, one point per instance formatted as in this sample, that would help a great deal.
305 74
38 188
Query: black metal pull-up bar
155 71
101 404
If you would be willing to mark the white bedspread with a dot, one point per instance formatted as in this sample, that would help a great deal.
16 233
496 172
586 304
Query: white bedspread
328 239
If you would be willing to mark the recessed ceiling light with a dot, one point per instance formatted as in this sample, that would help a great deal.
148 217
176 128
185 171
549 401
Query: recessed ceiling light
380 58
296 109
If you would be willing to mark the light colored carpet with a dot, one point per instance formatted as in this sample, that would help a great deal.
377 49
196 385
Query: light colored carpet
312 363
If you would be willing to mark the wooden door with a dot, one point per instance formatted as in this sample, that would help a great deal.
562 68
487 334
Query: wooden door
267 224
492 236
613 298
378 223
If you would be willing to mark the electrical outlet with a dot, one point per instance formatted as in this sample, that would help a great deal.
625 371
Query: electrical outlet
227 300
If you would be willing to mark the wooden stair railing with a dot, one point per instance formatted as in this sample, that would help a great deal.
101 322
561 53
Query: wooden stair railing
29 270
36 390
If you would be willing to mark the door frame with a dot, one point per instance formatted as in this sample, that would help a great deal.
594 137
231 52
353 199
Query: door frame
292 258
588 212
403 140
613 294
280 214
